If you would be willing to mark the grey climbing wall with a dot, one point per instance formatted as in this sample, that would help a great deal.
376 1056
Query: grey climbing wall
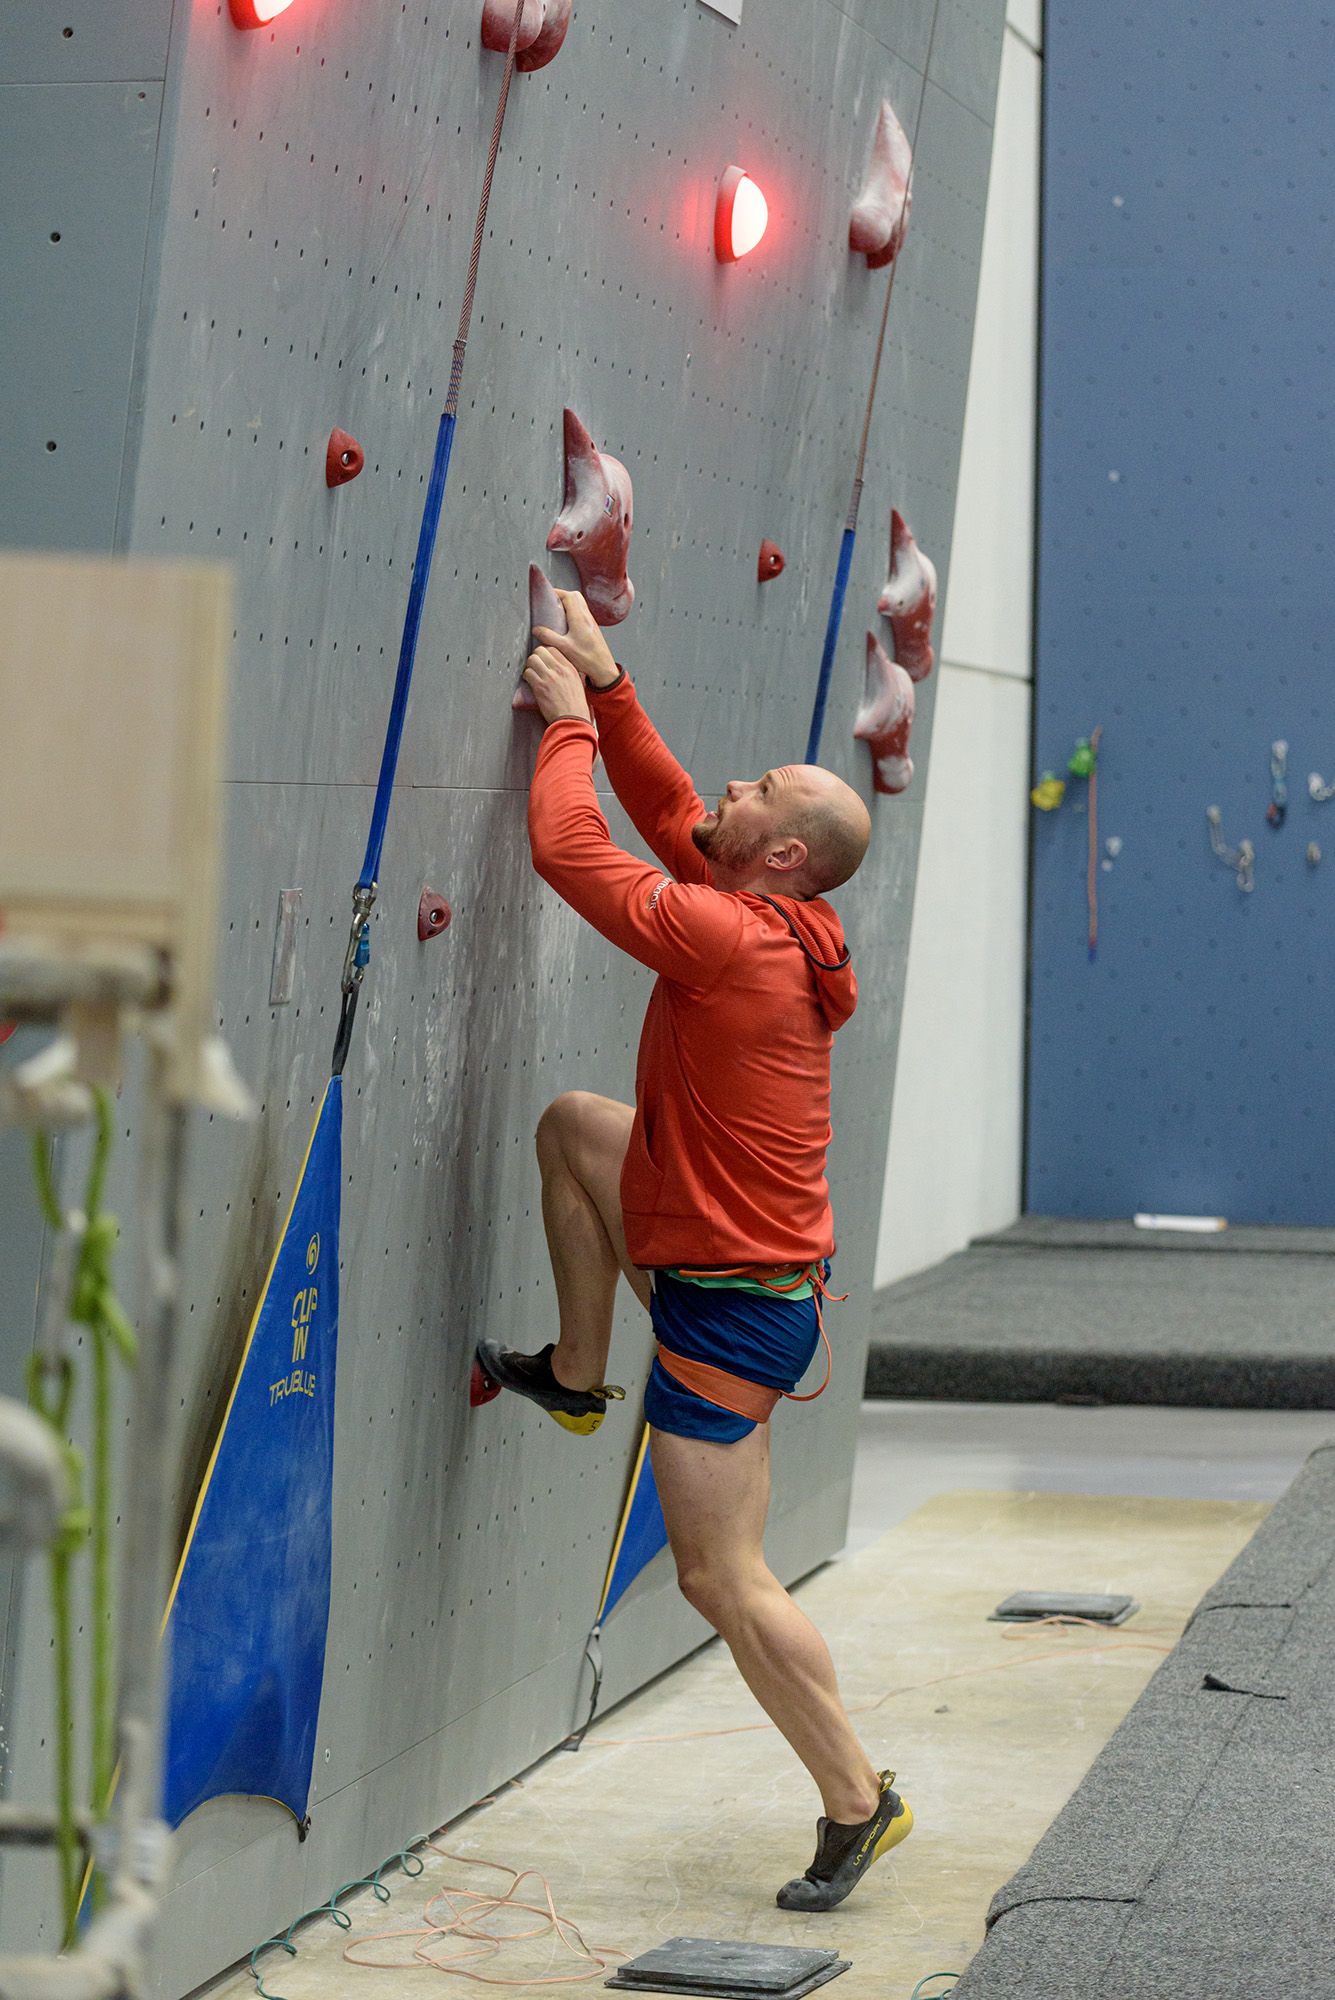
311 253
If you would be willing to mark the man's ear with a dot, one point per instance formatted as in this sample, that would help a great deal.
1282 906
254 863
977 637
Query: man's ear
788 858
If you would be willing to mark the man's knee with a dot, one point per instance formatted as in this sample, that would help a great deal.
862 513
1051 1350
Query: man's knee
715 1590
559 1126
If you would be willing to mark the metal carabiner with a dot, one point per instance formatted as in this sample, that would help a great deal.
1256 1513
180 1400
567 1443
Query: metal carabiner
358 954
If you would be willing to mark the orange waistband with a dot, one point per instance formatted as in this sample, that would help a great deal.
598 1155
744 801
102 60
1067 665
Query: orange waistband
717 1386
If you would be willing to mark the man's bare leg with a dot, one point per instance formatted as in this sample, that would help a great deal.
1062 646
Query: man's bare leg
715 1498
582 1142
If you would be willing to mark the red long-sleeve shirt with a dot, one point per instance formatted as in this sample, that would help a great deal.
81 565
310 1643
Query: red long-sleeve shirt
726 1162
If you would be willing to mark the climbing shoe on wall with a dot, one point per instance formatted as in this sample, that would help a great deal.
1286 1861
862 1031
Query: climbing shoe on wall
578 1410
845 1853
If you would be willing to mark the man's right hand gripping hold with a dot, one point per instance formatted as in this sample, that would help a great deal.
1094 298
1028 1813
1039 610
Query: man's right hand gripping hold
709 1194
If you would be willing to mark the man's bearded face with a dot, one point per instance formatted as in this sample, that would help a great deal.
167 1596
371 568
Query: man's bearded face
736 835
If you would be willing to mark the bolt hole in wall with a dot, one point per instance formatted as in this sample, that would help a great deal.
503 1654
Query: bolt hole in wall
295 301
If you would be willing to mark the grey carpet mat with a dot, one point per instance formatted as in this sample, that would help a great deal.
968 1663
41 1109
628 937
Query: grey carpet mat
1021 1322
1198 1856
1053 1232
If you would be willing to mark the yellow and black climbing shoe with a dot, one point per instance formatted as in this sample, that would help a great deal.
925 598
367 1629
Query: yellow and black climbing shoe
578 1410
845 1853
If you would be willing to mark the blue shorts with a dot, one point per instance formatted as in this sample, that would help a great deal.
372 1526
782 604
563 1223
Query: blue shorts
766 1340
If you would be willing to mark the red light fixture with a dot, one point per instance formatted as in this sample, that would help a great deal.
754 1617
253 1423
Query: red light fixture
257 13
741 215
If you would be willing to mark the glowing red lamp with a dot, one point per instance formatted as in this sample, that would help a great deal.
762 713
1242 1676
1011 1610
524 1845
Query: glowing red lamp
740 216
257 13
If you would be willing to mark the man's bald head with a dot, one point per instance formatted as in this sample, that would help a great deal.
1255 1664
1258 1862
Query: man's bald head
834 825
798 831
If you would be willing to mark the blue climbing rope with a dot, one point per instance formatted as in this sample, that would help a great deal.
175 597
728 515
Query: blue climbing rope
832 625
358 953
403 680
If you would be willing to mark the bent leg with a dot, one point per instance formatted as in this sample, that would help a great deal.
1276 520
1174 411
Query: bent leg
582 1142
715 1498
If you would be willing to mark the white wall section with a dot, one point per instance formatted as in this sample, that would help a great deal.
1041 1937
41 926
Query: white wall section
953 1167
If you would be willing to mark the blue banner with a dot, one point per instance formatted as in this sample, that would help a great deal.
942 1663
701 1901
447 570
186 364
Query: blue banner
642 1533
250 1605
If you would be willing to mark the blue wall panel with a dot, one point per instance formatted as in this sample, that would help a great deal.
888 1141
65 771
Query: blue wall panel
1186 497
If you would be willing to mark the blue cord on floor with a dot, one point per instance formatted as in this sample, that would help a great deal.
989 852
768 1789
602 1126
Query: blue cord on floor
918 1989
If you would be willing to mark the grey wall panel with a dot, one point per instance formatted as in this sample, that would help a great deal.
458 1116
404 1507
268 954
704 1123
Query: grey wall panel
906 28
73 234
966 53
612 302
84 41
313 247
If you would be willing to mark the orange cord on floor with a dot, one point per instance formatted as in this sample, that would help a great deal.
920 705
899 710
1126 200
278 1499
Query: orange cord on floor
470 1913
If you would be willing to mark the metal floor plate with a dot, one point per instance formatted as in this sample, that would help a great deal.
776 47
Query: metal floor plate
730 1971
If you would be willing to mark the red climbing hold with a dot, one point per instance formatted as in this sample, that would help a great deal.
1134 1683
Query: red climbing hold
544 608
481 1388
433 915
909 600
542 29
594 524
771 561
343 459
881 217
885 719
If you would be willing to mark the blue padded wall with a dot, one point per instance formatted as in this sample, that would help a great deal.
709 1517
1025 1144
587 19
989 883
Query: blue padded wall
1186 498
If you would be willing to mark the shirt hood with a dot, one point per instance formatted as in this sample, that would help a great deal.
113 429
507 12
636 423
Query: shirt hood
818 930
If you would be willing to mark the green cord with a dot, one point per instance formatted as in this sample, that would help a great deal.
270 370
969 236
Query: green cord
928 1980
74 1525
92 1304
411 1864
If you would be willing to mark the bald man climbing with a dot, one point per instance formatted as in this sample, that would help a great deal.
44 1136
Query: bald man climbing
709 1195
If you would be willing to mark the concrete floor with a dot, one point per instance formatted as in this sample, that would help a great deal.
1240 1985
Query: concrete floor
681 1816
909 1451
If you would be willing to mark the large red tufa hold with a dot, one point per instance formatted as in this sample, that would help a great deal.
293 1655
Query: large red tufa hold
885 719
909 600
880 218
770 564
544 608
593 527
542 29
343 459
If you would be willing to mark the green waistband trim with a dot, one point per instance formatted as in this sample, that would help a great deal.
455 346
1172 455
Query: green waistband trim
731 1284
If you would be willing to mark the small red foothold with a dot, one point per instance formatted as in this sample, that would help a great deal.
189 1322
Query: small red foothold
343 459
481 1388
433 915
771 561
